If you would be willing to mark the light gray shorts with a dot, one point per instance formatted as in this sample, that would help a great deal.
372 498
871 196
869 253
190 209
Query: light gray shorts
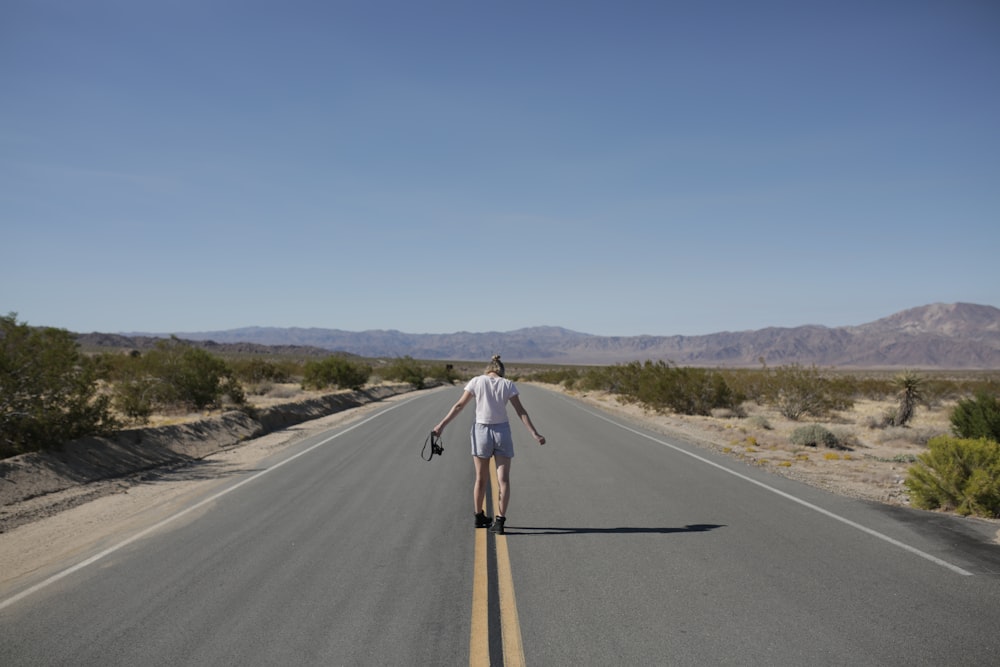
492 439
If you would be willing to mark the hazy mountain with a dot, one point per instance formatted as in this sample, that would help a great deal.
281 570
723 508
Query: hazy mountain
952 336
92 342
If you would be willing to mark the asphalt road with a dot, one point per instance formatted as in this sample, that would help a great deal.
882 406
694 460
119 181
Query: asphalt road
625 548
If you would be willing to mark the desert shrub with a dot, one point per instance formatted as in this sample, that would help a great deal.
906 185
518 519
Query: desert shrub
663 386
871 387
259 375
977 417
916 436
749 383
567 377
657 387
798 391
845 438
957 474
621 379
174 374
335 371
814 435
405 369
129 386
49 392
922 436
257 371
760 421
442 373
134 394
736 412
842 389
963 387
937 390
190 376
685 390
593 379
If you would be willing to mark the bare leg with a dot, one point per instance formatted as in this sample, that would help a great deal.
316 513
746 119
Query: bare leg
482 477
503 480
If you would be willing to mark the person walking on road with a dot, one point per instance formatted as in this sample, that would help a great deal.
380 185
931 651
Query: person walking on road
491 436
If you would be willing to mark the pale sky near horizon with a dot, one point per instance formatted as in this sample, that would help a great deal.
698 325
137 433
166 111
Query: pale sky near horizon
615 168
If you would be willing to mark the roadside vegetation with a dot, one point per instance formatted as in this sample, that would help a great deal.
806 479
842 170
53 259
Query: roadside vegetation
962 473
51 393
957 470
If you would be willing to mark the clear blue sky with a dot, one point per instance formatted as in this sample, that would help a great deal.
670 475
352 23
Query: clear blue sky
616 168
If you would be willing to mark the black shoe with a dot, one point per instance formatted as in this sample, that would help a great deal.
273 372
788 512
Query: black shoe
497 526
483 521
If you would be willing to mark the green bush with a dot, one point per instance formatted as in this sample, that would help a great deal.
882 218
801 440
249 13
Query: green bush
753 384
620 379
335 371
190 376
596 378
567 377
49 392
405 369
257 371
977 418
957 474
174 374
661 386
814 435
685 390
134 393
443 373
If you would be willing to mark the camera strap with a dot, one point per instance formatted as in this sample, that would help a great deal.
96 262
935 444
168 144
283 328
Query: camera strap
436 448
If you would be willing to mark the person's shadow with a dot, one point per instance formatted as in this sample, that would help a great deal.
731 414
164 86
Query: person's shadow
621 530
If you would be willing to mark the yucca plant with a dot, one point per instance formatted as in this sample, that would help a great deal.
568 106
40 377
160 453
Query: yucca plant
909 388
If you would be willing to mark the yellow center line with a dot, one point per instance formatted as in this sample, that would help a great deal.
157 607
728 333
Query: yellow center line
510 625
479 638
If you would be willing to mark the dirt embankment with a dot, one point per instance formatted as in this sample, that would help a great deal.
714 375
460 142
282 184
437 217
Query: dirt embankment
40 484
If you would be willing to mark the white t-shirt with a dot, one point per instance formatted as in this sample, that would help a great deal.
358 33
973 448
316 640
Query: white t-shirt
492 394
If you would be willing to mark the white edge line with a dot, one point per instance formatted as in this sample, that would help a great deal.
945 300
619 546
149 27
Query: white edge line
874 533
138 536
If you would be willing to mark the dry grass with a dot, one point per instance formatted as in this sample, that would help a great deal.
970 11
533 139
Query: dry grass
275 394
872 466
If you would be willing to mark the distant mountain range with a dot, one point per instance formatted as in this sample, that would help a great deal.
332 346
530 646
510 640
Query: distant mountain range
944 336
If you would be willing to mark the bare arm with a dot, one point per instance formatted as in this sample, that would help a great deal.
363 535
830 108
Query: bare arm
455 409
523 414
